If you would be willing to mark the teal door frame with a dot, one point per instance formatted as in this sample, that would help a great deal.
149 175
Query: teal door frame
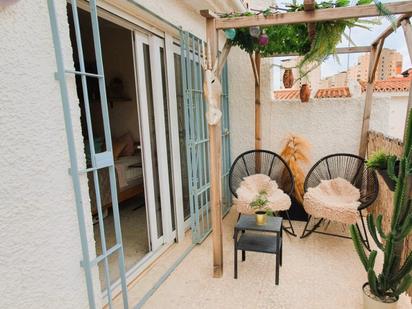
197 136
99 160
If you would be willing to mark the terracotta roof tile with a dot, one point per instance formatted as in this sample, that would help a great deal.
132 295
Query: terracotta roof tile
293 94
394 84
289 94
335 92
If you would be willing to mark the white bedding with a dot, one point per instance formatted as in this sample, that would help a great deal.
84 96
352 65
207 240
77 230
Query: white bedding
126 172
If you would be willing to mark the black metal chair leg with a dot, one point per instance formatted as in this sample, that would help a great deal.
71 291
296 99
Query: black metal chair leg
306 225
365 240
281 247
238 217
277 267
235 257
289 229
315 227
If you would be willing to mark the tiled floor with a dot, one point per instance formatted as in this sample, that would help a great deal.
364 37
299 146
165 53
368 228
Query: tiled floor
134 231
318 272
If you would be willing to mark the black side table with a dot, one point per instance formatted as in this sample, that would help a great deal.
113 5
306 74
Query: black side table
269 241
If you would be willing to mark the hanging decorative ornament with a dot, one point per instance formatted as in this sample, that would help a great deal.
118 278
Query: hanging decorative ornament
230 33
254 31
263 39
304 93
288 78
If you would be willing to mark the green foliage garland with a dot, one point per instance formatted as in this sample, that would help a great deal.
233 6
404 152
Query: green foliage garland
294 38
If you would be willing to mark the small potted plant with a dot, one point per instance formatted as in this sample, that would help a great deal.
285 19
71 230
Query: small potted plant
259 206
383 290
386 165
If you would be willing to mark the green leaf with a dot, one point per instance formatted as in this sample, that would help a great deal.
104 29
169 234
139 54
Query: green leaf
372 258
403 271
403 286
372 230
391 161
358 246
379 227
378 160
341 3
383 11
388 257
373 282
406 228
364 2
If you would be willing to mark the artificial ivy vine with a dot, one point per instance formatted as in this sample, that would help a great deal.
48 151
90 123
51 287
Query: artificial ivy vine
294 38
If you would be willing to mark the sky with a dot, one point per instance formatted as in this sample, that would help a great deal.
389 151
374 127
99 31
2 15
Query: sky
361 37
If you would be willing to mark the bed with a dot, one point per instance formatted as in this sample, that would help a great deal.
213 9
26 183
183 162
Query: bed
129 182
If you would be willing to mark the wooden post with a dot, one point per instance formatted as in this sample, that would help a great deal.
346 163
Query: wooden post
215 142
373 64
309 5
258 126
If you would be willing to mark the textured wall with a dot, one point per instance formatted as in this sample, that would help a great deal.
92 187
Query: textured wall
178 13
397 115
40 245
330 125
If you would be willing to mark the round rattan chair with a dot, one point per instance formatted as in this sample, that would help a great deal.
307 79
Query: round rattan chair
352 168
263 162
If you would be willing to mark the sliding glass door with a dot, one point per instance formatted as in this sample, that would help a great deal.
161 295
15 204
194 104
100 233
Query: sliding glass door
152 101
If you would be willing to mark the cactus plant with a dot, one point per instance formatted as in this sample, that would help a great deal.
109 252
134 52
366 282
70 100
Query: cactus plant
395 277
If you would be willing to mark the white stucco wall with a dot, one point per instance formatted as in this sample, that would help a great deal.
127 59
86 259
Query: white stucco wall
330 125
397 115
40 245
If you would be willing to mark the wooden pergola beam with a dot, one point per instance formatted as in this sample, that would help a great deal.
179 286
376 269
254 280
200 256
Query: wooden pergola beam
309 5
373 64
377 46
388 31
339 50
404 7
214 23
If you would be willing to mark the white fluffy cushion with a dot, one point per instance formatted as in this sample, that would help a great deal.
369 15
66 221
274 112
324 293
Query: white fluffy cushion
336 200
250 188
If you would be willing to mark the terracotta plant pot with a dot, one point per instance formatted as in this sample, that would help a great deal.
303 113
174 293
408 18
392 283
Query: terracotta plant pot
288 78
372 302
260 217
304 93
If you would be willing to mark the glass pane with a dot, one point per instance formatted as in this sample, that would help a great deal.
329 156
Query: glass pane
152 128
90 93
166 111
182 135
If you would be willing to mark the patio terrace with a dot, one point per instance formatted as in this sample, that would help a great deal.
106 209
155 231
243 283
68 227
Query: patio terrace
318 272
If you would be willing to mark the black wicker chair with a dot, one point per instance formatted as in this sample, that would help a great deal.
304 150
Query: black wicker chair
353 169
263 162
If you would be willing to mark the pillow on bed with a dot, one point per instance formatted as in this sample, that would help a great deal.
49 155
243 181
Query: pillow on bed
118 148
128 142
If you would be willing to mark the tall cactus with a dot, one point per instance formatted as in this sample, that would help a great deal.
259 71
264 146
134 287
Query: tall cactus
395 277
